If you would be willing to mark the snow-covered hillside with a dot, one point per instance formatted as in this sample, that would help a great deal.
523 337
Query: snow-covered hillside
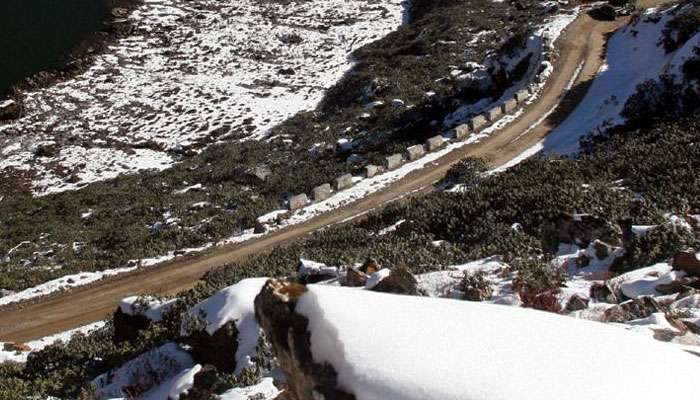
190 75
635 54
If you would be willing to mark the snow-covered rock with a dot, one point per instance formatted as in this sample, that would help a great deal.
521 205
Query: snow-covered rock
230 305
426 348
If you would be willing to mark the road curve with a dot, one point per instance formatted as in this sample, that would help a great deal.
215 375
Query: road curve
580 51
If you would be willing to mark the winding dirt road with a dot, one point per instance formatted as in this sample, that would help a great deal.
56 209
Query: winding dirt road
580 51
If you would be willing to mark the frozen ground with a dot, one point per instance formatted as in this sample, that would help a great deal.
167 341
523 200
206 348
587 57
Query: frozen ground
192 74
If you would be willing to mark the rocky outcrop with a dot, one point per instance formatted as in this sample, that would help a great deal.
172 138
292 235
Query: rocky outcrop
602 293
641 307
127 326
218 349
289 336
399 281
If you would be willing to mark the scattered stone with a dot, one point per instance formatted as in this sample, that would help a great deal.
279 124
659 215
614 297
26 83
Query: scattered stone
476 123
434 143
638 308
393 162
322 192
415 152
576 303
688 262
521 95
343 182
494 114
371 171
462 132
399 281
509 106
288 334
298 202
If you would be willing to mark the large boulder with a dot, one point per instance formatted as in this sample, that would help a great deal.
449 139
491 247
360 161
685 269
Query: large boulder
289 336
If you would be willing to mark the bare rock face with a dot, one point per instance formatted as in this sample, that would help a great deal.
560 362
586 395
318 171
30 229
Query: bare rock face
218 349
582 230
632 309
399 281
291 343
127 327
687 261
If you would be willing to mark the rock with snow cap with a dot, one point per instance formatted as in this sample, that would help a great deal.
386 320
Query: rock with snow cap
398 281
289 336
222 329
313 272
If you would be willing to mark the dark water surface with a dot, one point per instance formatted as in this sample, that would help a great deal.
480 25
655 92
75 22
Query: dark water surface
36 34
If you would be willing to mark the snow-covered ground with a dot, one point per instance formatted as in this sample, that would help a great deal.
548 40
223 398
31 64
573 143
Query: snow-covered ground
192 74
426 348
20 355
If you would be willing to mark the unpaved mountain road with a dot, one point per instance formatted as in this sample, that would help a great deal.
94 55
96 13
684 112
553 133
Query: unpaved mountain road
580 51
